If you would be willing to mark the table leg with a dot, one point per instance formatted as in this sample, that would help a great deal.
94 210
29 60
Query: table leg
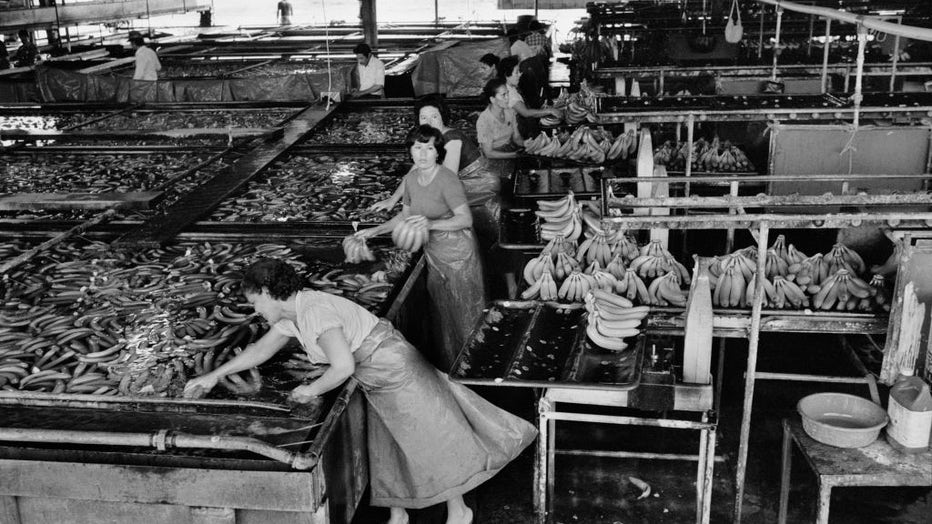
825 499
785 474
700 470
551 458
709 477
541 464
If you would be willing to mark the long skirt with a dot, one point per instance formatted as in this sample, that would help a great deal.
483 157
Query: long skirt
456 289
483 192
430 439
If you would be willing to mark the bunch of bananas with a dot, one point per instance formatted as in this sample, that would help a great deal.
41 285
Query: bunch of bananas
356 250
575 286
665 291
705 156
654 260
411 233
811 271
603 279
632 287
612 318
564 266
595 249
730 285
561 218
582 145
575 113
778 293
544 288
616 266
881 296
536 267
843 257
560 244
775 265
843 291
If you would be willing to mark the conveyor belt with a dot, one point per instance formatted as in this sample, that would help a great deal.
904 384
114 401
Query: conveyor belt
190 208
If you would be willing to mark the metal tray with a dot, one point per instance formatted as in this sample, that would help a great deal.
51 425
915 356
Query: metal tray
543 344
556 182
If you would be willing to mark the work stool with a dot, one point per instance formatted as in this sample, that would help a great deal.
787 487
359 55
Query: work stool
876 464
557 404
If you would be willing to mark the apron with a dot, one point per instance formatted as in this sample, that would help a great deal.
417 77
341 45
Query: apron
430 439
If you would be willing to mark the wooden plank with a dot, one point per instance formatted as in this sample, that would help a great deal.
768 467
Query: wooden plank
265 490
99 11
49 509
130 200
693 202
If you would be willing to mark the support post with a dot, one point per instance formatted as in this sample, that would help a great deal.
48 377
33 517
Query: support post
828 43
776 44
369 24
859 74
749 378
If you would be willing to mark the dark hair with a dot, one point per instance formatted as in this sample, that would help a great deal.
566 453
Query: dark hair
490 88
424 134
24 35
490 60
276 275
507 66
362 49
137 40
432 100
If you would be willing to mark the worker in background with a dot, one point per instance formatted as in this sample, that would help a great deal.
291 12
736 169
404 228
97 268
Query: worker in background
4 57
147 62
520 99
28 54
497 129
488 66
430 440
371 72
284 12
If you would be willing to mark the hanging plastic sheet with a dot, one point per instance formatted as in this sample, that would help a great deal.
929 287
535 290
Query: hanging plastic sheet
454 71
339 79
483 190
285 88
456 290
141 91
201 90
57 85
19 91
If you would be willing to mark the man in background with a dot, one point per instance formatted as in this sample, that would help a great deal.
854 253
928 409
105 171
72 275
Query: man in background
284 12
27 54
147 62
371 72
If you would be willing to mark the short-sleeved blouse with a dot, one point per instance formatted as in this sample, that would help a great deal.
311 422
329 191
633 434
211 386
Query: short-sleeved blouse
495 132
469 151
437 199
319 312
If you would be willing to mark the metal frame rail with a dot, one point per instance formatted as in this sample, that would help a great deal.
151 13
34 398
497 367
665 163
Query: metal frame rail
763 222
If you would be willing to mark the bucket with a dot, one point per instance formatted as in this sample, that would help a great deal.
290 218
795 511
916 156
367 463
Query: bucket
910 411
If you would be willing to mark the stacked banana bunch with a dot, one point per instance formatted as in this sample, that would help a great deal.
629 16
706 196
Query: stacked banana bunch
583 145
540 273
706 156
612 319
356 250
577 108
560 218
794 280
411 233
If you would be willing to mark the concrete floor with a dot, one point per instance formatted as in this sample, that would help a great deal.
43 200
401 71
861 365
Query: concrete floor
597 490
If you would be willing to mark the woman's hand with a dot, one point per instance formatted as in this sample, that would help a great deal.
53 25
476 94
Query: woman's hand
382 205
558 113
303 394
366 233
200 386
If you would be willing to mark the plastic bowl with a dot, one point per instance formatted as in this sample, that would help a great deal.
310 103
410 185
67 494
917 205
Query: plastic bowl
841 420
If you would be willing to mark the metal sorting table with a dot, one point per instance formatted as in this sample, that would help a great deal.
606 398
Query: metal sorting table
177 460
876 464
535 344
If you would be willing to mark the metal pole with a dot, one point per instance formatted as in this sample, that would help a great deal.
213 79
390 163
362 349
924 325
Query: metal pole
776 44
862 43
828 43
436 13
753 340
896 56
760 35
535 8
811 30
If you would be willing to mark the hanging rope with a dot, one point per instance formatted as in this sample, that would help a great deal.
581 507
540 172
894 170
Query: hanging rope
323 7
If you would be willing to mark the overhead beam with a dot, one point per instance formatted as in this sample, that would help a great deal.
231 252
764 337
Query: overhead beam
870 22
101 11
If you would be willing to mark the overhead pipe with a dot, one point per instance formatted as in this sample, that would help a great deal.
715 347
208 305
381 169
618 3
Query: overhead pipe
160 440
870 22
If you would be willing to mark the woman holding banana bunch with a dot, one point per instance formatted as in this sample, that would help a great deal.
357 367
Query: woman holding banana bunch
434 205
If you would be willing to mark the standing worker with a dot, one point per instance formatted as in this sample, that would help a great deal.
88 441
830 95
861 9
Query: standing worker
434 198
147 62
371 72
284 12
28 54
497 129
430 440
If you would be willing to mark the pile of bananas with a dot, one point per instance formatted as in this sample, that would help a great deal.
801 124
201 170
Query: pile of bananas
583 145
706 156
577 107
561 218
85 318
654 261
598 248
45 121
411 233
612 319
164 120
794 280
557 258
356 250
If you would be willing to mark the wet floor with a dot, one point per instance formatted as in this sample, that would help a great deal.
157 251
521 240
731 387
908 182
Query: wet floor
599 490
